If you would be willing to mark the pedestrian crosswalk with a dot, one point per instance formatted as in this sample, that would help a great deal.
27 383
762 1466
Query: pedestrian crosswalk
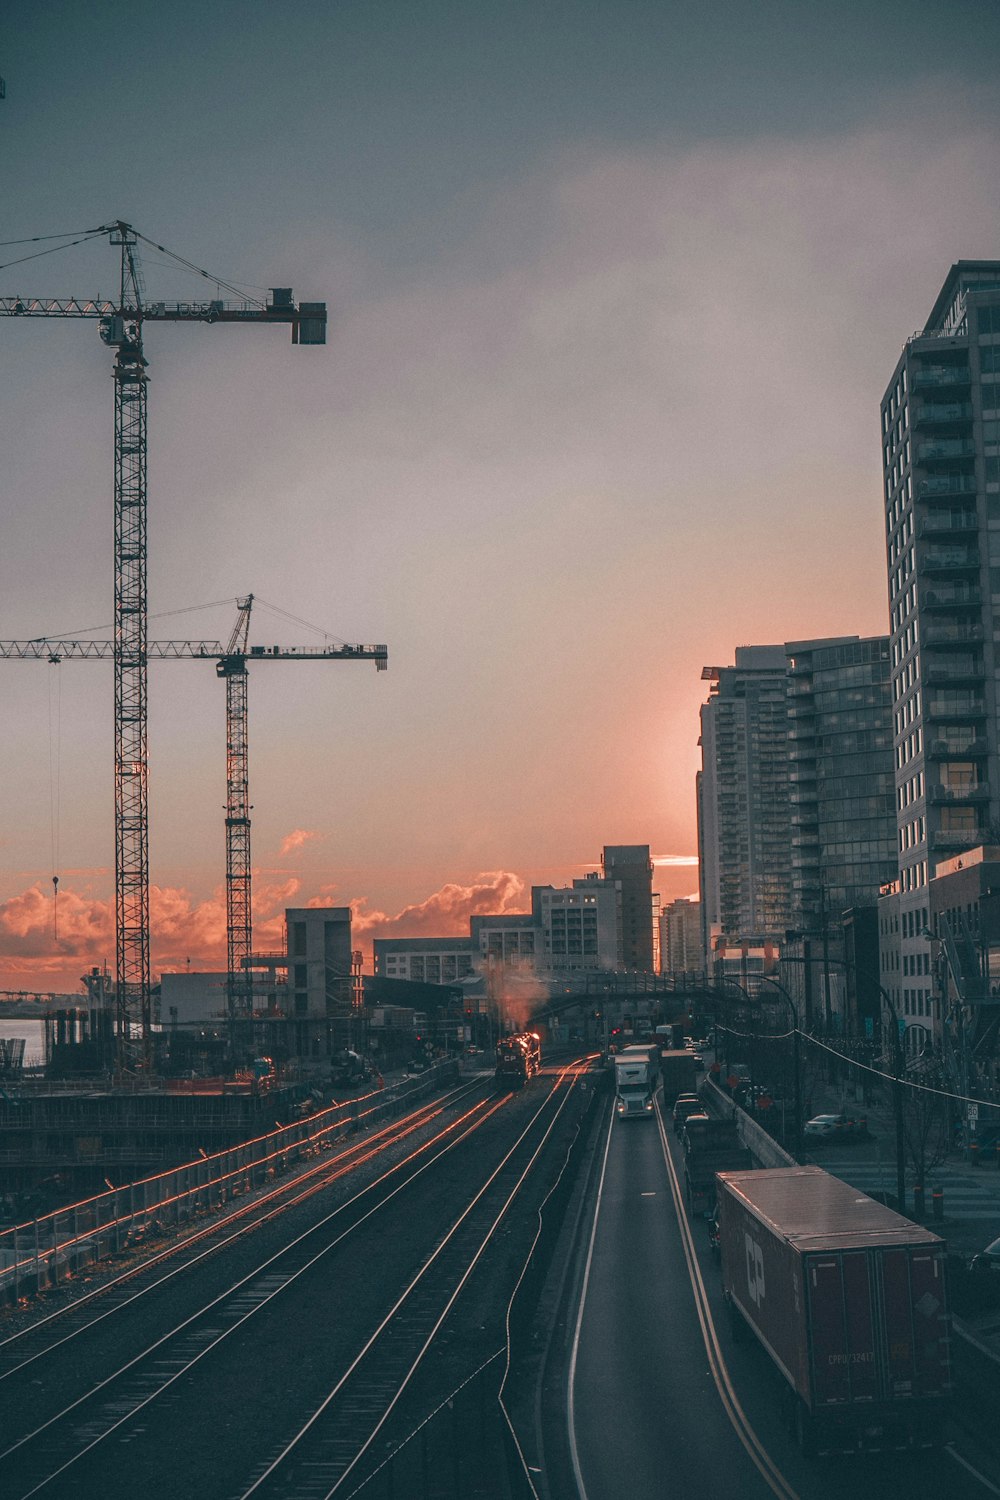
973 1198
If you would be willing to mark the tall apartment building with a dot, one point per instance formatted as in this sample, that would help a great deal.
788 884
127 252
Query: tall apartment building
744 832
630 866
841 792
680 938
941 461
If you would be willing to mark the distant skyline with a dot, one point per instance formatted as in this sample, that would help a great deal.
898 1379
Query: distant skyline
613 293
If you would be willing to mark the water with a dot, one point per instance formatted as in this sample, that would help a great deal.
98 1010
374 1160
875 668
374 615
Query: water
33 1032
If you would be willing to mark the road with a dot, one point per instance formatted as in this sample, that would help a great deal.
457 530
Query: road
660 1401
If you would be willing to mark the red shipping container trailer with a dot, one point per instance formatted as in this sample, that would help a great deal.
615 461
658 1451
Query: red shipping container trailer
848 1298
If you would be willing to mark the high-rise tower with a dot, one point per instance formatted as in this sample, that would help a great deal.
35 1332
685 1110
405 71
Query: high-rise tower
744 825
941 461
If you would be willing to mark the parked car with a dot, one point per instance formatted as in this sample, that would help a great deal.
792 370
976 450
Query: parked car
836 1127
988 1259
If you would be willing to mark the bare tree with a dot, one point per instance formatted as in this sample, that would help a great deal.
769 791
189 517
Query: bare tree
925 1129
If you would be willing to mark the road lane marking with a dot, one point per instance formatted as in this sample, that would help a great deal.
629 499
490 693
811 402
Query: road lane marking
755 1450
571 1381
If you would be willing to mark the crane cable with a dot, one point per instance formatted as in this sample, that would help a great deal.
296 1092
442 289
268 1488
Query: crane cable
189 265
37 254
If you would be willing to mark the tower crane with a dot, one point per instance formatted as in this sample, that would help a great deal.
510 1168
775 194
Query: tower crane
231 665
121 322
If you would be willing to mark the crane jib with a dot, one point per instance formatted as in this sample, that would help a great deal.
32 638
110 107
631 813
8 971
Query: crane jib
308 319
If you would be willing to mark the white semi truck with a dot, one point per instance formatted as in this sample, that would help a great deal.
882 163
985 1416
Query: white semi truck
636 1073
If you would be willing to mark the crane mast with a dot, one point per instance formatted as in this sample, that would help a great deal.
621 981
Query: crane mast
239 922
121 326
124 333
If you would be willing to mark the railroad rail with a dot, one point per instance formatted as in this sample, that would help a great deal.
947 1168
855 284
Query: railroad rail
69 1385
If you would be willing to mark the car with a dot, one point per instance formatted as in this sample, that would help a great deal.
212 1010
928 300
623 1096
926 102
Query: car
699 1062
684 1105
694 1123
832 1127
988 1259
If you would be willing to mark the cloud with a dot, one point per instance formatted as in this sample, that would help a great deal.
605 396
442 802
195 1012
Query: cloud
41 949
446 912
674 859
296 839
185 930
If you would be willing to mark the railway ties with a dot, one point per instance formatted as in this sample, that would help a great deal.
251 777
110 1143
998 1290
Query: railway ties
95 1410
336 1445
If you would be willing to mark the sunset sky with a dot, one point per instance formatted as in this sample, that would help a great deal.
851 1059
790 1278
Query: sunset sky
614 292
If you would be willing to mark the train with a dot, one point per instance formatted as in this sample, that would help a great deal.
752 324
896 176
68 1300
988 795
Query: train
518 1059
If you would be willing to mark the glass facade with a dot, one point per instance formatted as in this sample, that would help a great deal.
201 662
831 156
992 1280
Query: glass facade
841 773
744 819
941 467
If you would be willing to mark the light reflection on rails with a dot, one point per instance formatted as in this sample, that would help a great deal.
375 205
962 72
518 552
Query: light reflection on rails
328 1435
249 1216
124 1408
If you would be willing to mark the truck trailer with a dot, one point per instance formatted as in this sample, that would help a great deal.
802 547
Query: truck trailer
710 1145
636 1073
678 1074
849 1300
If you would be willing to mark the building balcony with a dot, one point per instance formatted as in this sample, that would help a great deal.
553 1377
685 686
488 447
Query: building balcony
946 796
944 450
975 749
951 633
955 842
944 670
939 413
948 523
949 560
935 486
954 707
940 377
950 596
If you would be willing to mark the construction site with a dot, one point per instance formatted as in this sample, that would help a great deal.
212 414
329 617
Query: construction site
135 1075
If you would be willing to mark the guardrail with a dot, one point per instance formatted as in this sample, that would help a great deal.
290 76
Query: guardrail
45 1251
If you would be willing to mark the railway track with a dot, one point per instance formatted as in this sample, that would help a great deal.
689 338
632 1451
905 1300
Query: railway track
86 1423
328 1451
47 1334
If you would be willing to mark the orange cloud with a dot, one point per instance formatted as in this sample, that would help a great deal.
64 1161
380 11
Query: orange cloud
445 913
184 930
296 839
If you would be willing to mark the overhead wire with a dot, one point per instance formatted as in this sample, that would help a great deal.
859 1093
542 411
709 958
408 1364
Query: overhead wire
855 1062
